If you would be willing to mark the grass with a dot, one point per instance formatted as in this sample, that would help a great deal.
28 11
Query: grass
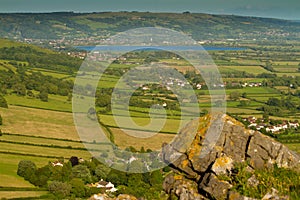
242 110
293 74
6 66
155 142
37 122
254 90
44 151
294 147
55 102
40 141
171 125
21 194
9 166
248 69
285 181
50 73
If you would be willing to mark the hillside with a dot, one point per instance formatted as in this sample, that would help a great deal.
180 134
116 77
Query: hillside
36 57
69 25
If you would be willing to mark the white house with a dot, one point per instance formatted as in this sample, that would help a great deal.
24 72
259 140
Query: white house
199 86
57 163
293 125
108 186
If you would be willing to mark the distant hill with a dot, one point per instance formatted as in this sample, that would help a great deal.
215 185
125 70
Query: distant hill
71 25
37 57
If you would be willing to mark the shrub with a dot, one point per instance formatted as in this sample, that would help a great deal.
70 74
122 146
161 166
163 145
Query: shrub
60 189
25 166
82 172
3 102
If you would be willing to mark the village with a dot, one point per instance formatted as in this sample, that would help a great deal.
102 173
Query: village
273 126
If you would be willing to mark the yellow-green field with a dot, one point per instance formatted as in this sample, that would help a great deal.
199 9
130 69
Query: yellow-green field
43 151
248 69
50 73
21 194
55 102
294 147
30 121
155 142
9 166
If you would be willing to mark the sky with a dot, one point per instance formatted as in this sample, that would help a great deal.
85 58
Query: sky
284 9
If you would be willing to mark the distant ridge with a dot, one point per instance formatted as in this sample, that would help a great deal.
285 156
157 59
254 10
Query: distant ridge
69 25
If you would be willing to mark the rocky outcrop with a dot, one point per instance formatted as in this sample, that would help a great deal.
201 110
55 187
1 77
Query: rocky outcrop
219 144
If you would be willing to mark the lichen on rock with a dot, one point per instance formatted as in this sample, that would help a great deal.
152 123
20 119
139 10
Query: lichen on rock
200 165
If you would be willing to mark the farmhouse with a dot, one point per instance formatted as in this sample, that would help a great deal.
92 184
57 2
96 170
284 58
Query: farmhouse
108 186
57 163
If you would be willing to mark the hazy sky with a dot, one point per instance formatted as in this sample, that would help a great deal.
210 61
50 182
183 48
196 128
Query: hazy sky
287 9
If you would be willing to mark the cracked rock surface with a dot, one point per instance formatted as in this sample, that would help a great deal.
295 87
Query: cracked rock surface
219 143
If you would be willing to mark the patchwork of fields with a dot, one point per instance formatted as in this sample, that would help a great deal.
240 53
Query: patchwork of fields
45 131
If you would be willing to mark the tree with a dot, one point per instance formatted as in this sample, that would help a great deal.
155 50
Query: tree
78 187
3 102
156 178
19 89
24 166
43 96
82 172
74 161
30 93
244 95
1 121
92 113
102 171
244 103
274 102
103 100
234 96
59 189
66 171
218 103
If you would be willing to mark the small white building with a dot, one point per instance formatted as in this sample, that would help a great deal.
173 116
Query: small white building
57 163
199 86
108 186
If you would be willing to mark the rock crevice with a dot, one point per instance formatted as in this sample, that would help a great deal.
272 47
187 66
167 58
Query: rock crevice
196 171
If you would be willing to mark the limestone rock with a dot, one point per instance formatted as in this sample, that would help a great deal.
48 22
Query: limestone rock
222 165
182 187
220 143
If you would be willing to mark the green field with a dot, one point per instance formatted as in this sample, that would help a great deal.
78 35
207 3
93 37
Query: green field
9 166
294 146
38 122
21 194
50 73
248 69
55 102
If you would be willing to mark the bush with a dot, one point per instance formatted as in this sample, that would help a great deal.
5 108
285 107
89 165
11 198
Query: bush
43 96
25 166
78 187
82 172
60 189
3 102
